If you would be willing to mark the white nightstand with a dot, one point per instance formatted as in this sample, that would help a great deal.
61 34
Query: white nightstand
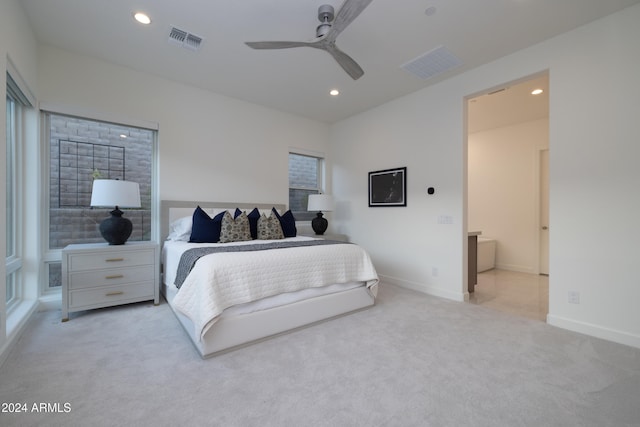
98 275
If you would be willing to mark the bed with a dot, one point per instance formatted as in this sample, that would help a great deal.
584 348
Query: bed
228 295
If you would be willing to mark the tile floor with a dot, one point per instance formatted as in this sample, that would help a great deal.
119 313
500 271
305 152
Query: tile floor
512 292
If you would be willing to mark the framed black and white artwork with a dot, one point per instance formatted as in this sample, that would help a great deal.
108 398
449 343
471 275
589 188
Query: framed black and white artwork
388 187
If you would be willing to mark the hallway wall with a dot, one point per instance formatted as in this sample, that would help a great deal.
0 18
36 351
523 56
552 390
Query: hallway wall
503 172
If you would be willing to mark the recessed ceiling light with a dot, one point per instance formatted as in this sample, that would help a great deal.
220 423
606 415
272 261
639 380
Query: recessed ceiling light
142 18
123 136
334 92
430 11
536 91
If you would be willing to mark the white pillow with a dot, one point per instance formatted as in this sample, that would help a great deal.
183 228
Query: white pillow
180 229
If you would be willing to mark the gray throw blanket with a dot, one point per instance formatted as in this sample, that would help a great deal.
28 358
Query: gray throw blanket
190 256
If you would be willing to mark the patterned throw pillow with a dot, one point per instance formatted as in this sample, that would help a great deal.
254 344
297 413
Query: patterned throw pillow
234 230
269 228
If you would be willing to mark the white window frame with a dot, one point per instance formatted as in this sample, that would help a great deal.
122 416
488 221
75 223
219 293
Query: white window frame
54 256
13 261
16 103
320 178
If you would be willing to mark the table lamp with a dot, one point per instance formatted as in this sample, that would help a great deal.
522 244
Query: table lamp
112 192
320 202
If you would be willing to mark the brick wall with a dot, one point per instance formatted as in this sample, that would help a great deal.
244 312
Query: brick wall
78 149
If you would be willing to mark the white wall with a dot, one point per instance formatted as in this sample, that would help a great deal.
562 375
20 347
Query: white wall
406 244
211 147
594 177
503 190
594 201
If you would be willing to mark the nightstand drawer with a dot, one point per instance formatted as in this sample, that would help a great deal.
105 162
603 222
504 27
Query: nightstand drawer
110 295
97 260
107 277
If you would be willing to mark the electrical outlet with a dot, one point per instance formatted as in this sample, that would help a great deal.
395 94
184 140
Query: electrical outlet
574 297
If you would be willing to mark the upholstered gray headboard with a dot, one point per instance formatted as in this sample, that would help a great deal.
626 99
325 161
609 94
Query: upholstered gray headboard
170 210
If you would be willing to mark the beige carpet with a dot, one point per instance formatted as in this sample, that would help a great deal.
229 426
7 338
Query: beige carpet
412 360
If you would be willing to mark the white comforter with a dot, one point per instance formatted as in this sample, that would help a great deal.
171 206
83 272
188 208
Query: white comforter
222 280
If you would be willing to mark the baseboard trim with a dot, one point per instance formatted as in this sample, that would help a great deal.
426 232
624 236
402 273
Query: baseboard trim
608 334
50 302
516 268
425 289
16 323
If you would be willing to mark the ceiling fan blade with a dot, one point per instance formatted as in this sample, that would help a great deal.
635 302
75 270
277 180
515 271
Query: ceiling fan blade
275 45
345 61
348 12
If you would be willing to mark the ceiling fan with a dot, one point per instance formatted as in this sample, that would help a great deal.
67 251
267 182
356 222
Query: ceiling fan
326 34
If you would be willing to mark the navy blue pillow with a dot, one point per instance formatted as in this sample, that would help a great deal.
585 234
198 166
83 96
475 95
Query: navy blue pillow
205 229
254 216
288 223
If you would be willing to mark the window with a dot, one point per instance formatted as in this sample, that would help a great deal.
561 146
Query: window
16 101
305 177
81 150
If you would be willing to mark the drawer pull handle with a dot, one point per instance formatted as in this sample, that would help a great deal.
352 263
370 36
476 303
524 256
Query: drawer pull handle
115 276
114 293
115 259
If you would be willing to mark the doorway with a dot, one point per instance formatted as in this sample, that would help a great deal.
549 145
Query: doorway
507 190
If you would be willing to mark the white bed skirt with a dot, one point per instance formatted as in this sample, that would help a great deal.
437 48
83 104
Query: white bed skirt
242 326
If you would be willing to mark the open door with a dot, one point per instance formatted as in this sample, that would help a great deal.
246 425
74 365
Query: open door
544 212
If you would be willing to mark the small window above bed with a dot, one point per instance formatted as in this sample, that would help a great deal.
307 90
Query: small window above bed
305 178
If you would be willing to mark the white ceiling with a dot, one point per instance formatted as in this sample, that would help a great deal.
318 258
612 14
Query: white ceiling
385 36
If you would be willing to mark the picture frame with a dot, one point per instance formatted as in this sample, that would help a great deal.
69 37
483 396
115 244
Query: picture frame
388 187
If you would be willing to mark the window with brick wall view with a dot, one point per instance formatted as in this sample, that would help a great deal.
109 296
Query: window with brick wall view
80 151
305 177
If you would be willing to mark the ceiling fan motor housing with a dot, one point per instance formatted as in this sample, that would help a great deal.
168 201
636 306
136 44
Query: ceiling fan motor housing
325 13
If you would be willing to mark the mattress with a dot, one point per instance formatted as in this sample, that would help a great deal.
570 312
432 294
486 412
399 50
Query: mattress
173 250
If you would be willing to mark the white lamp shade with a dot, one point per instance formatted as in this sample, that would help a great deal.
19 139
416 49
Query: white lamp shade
112 192
320 202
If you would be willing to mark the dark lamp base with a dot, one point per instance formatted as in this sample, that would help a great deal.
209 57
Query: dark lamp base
319 224
116 229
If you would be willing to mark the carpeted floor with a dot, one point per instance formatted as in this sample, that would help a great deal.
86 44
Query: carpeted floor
412 360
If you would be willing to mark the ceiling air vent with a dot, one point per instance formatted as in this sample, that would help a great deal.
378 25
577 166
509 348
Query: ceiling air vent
437 61
185 39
